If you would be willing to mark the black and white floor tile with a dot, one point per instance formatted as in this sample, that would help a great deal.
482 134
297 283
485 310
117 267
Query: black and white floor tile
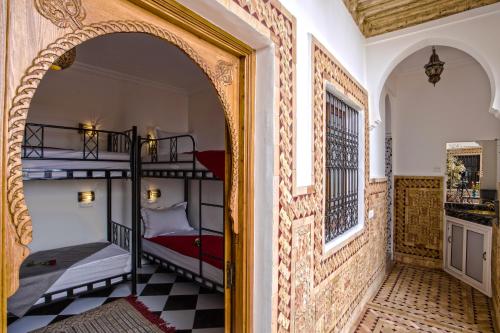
183 304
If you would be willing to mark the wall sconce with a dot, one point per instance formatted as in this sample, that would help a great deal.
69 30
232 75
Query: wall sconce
153 194
152 144
87 129
86 198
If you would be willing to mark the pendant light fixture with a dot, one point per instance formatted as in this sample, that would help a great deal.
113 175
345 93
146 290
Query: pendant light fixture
65 60
434 68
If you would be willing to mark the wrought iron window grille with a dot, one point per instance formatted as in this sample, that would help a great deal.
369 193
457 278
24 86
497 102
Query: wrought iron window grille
342 167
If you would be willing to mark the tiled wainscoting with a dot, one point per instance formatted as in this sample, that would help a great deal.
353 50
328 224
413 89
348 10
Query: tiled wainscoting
495 273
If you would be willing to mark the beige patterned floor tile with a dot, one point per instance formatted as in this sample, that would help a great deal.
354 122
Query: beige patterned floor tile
414 299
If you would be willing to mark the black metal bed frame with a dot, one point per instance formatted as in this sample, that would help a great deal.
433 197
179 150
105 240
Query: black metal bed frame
34 147
118 234
188 174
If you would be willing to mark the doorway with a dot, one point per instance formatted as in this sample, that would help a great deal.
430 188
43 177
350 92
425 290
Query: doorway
230 72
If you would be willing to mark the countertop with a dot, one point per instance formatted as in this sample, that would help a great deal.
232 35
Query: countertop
463 211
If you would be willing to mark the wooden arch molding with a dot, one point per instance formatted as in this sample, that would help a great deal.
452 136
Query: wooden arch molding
221 76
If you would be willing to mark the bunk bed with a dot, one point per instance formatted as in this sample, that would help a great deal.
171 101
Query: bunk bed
197 254
53 275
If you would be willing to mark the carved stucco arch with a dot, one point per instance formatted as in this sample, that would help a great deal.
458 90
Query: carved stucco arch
17 114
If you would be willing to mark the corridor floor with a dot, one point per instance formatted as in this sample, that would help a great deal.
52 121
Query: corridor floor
414 299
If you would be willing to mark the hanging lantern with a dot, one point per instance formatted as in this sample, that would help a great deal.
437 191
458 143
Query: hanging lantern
64 61
434 68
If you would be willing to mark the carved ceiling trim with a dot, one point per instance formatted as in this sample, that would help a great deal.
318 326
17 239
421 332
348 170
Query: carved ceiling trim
375 17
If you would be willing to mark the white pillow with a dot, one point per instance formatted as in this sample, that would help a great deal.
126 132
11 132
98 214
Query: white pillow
165 221
184 144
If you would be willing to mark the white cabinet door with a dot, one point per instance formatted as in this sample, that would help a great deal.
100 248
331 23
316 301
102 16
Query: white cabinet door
456 239
468 253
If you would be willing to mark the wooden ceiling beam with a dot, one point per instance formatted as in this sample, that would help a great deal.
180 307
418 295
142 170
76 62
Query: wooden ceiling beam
400 14
375 17
402 6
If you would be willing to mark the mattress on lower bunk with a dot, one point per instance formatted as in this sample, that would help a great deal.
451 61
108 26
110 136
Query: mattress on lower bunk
58 269
52 160
209 271
110 261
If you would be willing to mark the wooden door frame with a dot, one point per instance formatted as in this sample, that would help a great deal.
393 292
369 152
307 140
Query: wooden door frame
242 242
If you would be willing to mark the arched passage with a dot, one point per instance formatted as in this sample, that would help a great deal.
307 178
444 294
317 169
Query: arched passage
379 72
423 118
221 71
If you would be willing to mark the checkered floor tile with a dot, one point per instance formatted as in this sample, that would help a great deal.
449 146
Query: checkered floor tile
185 305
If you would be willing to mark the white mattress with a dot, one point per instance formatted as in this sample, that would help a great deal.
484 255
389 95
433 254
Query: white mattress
192 264
110 261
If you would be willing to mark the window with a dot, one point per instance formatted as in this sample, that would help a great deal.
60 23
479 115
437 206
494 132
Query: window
342 167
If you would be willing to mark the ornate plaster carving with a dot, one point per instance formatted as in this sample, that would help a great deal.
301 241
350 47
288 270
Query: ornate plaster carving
224 72
292 271
63 13
17 114
302 269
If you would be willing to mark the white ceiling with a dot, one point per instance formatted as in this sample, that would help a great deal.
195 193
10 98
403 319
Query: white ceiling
143 56
416 61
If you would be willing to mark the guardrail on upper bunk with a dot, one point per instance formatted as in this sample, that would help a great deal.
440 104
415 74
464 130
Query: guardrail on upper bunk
177 149
35 139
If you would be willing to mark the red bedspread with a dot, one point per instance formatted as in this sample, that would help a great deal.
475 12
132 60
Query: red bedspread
213 160
213 246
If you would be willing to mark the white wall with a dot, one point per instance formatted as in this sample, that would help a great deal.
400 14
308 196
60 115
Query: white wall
471 31
84 93
424 117
206 120
489 161
330 23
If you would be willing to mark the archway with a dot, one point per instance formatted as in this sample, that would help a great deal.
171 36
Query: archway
423 119
390 63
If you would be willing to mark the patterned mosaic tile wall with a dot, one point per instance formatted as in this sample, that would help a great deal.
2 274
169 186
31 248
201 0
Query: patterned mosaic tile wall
495 274
388 174
338 296
418 224
316 291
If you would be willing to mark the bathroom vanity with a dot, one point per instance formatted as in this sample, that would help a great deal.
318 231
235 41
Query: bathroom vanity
467 239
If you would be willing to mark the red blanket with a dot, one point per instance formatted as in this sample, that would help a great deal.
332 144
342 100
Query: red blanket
213 246
213 160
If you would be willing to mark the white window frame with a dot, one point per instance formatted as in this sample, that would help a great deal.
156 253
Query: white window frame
339 241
